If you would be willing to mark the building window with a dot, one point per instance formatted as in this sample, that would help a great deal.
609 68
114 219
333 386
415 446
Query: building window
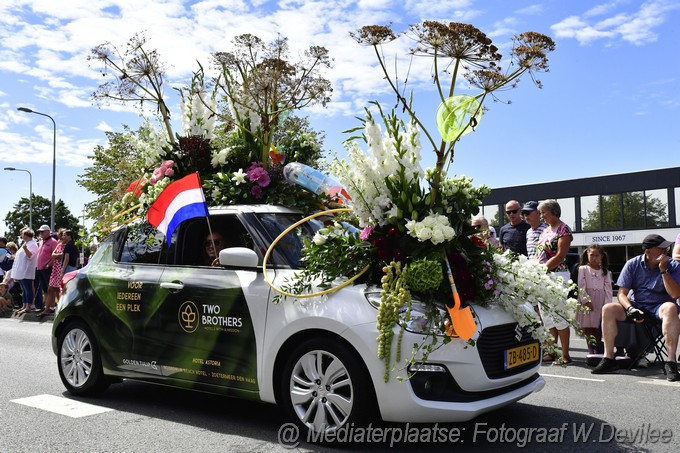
633 210
568 211
610 206
490 212
602 212
656 208
590 213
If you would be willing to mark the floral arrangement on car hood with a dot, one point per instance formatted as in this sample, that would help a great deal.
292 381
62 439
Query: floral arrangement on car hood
415 222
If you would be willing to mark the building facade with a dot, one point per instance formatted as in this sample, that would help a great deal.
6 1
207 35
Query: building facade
615 211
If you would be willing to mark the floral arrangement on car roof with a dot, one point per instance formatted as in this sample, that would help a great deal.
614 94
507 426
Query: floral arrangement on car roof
239 128
415 222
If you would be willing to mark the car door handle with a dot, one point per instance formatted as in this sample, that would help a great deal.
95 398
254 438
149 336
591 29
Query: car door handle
172 286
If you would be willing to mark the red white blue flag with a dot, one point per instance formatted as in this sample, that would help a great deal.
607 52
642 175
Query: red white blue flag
180 201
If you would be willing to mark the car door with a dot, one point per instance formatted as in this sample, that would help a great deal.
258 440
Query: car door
127 294
204 327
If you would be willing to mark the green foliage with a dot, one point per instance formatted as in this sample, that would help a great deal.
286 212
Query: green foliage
113 168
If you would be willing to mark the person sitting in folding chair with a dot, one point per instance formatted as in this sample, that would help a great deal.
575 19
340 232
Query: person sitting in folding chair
655 284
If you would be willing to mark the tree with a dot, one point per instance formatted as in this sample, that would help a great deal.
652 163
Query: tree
17 218
636 213
113 168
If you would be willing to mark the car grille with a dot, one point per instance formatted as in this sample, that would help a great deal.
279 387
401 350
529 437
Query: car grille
491 344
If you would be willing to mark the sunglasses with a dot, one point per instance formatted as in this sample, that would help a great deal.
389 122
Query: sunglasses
512 211
209 243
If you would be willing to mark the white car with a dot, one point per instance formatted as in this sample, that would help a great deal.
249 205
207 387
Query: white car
145 311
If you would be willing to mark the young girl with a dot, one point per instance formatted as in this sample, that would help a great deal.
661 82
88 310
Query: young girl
594 282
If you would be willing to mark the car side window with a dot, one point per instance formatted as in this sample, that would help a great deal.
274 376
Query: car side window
143 244
193 238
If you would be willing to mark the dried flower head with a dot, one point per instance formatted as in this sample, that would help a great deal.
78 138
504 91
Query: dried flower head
488 80
373 35
463 42
530 50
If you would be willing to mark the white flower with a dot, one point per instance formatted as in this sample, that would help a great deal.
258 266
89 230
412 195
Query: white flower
437 236
423 234
239 177
319 239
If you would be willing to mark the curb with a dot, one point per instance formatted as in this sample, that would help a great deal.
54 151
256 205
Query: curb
30 317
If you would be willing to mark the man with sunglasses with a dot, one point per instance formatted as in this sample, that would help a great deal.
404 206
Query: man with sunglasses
513 235
654 280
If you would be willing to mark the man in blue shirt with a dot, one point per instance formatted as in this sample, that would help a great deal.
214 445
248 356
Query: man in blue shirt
655 283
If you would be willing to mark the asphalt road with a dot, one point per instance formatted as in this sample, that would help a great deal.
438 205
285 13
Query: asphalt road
630 411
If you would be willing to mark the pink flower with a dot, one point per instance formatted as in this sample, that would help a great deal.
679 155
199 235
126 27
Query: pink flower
366 233
256 192
169 172
258 175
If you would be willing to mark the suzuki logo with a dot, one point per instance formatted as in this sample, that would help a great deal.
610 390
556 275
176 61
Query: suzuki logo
518 332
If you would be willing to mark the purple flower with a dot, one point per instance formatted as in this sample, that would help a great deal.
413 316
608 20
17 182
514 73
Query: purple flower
258 175
256 192
366 233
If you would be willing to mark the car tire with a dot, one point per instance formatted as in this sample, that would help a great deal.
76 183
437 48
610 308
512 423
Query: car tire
324 386
79 362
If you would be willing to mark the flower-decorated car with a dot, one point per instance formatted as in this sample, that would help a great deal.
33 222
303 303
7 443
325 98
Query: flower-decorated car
142 310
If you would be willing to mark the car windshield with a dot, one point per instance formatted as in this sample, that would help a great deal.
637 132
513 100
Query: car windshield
288 250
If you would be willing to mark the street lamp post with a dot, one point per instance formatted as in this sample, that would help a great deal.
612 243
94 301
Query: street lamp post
54 161
30 194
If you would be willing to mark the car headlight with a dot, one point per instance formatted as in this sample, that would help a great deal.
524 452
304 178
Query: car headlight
425 318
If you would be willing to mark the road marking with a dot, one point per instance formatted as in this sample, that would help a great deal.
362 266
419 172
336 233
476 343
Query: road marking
60 405
660 382
572 377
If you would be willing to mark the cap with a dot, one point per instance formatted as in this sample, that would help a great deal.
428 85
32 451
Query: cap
530 206
654 240
44 228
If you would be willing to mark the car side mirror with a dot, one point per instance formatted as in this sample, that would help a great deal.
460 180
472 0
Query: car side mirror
238 257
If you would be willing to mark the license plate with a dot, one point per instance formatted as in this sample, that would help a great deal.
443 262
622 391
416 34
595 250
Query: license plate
520 355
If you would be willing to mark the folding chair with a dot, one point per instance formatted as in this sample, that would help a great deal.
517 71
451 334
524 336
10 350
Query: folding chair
654 343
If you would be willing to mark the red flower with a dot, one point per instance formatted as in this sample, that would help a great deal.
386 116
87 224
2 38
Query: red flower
136 187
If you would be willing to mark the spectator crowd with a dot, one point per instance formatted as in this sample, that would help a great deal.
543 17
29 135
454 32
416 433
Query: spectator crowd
31 272
649 284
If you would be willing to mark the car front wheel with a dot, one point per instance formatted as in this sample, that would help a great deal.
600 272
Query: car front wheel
79 364
324 387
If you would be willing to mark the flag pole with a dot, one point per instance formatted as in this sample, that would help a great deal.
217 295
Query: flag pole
210 233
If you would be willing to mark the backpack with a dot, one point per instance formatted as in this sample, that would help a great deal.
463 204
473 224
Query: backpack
6 263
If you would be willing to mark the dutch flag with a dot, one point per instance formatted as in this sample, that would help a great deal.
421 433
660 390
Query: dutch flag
181 200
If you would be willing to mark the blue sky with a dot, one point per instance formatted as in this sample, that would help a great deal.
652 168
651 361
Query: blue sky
610 103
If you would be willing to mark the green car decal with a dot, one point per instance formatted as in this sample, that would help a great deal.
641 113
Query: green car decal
200 334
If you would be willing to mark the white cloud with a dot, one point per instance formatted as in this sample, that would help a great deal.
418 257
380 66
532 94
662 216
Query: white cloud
637 27
532 10
104 127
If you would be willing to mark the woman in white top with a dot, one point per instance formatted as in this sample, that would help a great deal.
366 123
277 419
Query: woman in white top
23 271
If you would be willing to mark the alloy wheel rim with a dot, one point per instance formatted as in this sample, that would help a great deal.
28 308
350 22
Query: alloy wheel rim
76 357
321 391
